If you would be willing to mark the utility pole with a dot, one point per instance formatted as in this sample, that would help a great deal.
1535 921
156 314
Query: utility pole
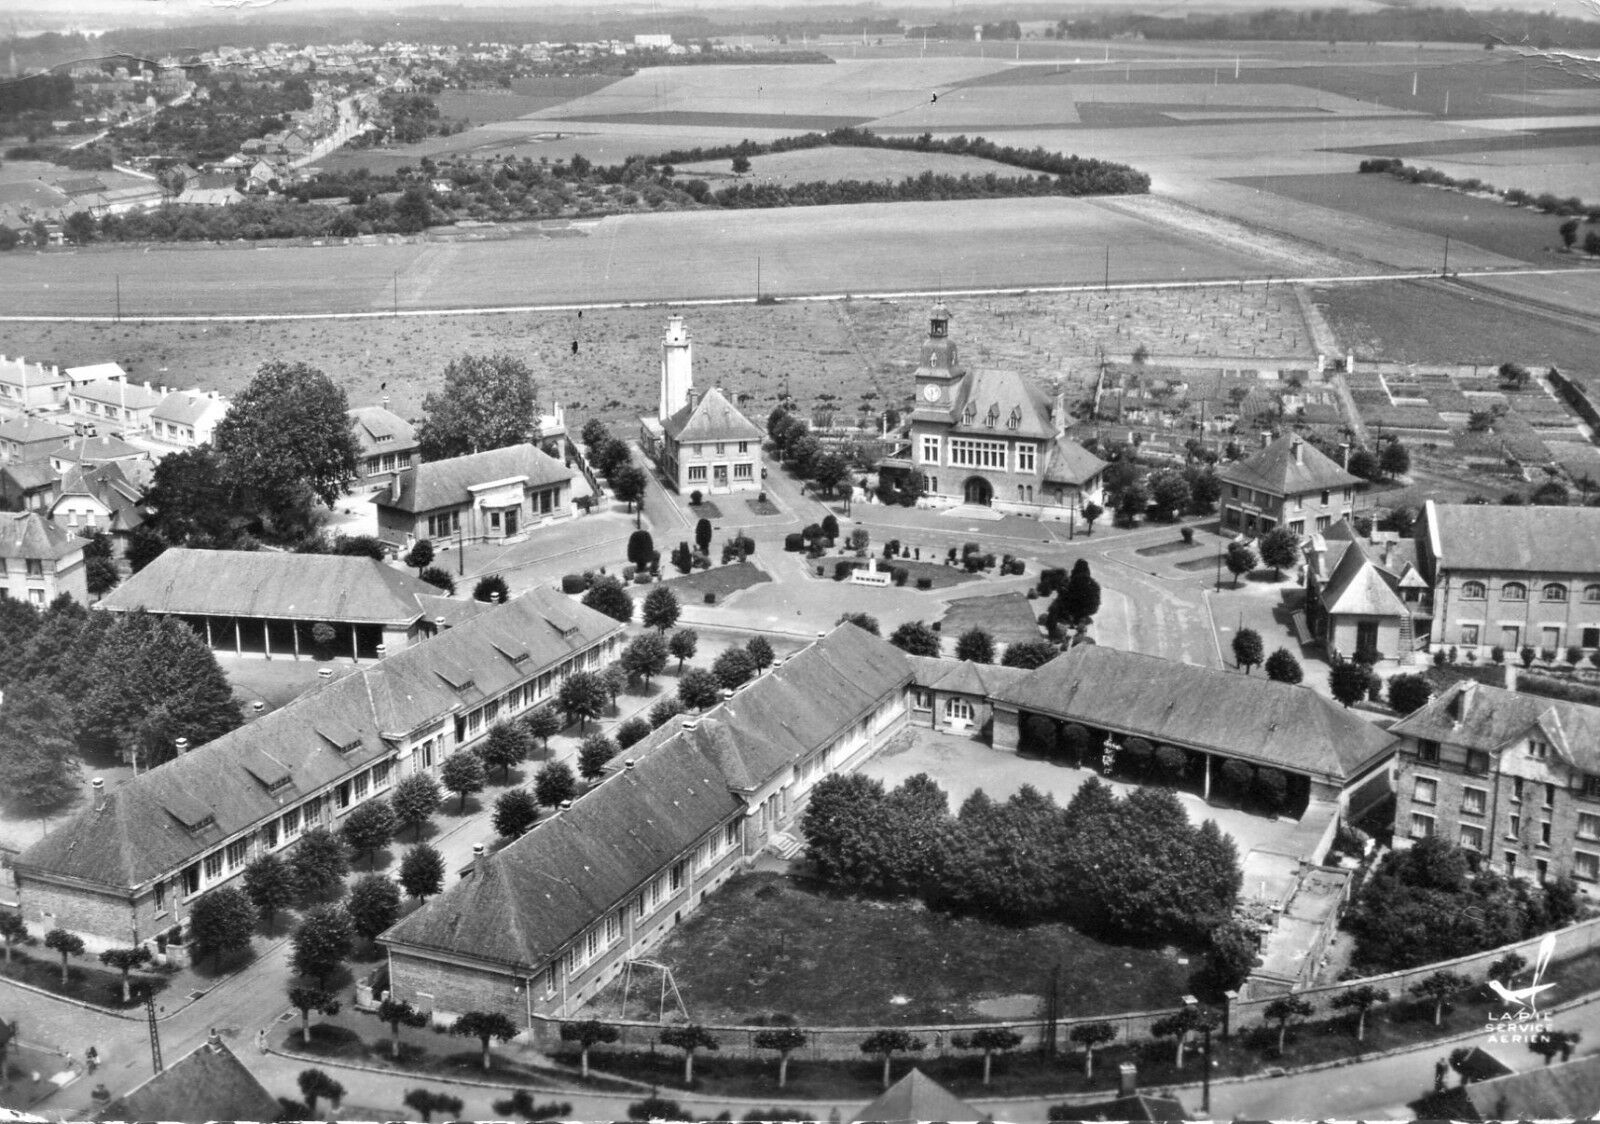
119 298
155 1031
1106 285
395 306
758 278
1445 269
1205 1081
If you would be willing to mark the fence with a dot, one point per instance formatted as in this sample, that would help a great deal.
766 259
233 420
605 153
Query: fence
844 1042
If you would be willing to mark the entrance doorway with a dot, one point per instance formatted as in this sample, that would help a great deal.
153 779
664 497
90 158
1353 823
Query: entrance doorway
977 491
511 521
719 476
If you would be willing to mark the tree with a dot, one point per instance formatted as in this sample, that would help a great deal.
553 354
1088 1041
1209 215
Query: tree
593 754
698 689
221 921
487 402
590 1032
463 774
732 668
37 770
124 960
420 557
1169 493
1029 654
608 596
628 484
888 1042
785 1040
12 930
1091 513
1395 459
664 711
661 609
760 653
315 1084
975 645
645 656
426 1102
422 871
515 812
1284 1009
319 864
189 495
1514 375
322 943
1079 598
508 744
374 905
491 589
631 732
1348 681
1439 989
1282 667
1247 647
1409 692
398 1013
288 431
484 1026
1569 233
269 883
1280 547
740 164
1179 1025
555 784
414 801
309 999
543 723
1132 502
1591 243
1089 1036
1239 559
641 548
100 576
582 696
702 536
369 826
688 1039
440 579
991 1040
1548 1043
1361 1000
915 638
682 645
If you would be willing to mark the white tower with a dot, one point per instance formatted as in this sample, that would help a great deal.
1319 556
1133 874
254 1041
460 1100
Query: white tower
677 375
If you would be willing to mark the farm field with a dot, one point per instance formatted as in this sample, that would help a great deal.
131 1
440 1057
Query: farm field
843 164
1578 291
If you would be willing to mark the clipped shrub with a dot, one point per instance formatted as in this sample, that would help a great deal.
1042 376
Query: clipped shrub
695 498
968 548
644 578
1018 567
711 598
794 543
573 583
924 583
702 561
973 563
842 569
628 572
1051 579
899 574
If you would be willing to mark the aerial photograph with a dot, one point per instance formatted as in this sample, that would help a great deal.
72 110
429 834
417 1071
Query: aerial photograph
782 560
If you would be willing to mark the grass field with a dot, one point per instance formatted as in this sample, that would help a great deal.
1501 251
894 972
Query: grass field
844 164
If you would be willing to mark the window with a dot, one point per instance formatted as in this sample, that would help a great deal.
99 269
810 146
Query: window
730 837
930 450
721 448
1324 522
957 710
35 567
1591 593
1544 833
1476 591
1426 791
743 471
1233 491
1324 497
238 851
381 773
1421 826
550 979
213 866
920 699
697 473
613 929
591 944
1549 796
1469 635
1513 591
1027 458
1555 591
1538 749
1588 825
1472 837
1516 790
967 453
676 877
744 446
161 897
1515 830
1477 761
1591 785
1428 752
342 794
1585 866
291 823
1473 801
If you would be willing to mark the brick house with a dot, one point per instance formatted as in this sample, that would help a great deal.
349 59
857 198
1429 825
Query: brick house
187 418
542 925
955 696
131 864
499 494
1512 576
1513 778
39 561
32 386
1366 596
1289 482
388 442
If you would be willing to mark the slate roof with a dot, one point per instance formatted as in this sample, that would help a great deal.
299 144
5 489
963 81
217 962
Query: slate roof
106 484
435 484
1359 586
1478 716
1244 716
1568 1091
97 450
27 534
95 372
31 476
1070 463
246 583
964 676
916 1097
134 396
208 1083
155 822
26 430
1002 394
1544 540
530 899
1276 470
187 407
712 418
373 423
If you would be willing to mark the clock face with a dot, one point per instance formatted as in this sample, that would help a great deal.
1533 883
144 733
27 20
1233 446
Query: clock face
931 392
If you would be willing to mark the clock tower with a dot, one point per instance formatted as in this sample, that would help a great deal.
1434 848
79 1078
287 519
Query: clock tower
938 373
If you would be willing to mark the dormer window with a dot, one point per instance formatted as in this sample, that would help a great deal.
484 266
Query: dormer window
1539 750
992 416
1015 420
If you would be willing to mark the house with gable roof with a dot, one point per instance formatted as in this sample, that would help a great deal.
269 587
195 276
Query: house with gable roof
29 439
132 863
98 498
1513 778
388 442
39 561
992 438
32 386
1366 597
499 494
700 442
207 1083
115 405
1289 482
187 418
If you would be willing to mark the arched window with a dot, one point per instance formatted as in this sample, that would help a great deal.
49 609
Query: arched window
1513 591
1555 591
1591 593
1474 590
957 710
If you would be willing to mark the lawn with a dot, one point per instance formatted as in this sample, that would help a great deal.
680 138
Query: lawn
1008 617
758 947
87 982
719 581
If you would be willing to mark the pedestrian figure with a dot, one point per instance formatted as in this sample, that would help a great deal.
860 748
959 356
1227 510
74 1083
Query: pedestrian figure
1440 1068
261 1040
91 1058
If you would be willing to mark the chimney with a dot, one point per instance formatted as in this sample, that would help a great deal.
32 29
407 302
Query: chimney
383 650
1295 447
182 745
627 763
385 401
1463 700
1511 671
324 673
1266 439
98 785
1350 364
565 804
477 852
1127 1079
1344 455
214 1041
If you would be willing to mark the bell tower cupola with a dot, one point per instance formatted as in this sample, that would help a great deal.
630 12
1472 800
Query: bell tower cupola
939 371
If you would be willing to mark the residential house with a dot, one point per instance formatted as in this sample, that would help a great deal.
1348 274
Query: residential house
98 499
1512 577
1289 482
207 1083
131 864
87 452
388 442
1366 597
701 443
187 418
270 604
992 438
543 924
39 561
32 386
496 495
28 486
114 406
30 439
1513 778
